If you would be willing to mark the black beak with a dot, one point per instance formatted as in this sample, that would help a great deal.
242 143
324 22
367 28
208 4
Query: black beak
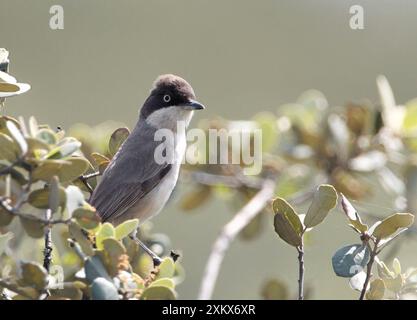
193 105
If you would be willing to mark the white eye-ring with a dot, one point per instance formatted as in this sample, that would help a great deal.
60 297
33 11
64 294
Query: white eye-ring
167 98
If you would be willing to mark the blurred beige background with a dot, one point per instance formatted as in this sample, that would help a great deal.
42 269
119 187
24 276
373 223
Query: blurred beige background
241 57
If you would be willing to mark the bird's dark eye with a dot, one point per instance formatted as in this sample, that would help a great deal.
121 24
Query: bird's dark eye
167 98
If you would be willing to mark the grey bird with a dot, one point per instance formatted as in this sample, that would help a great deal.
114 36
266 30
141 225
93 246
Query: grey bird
135 184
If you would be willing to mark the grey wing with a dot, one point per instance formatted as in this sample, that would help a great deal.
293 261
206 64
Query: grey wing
132 173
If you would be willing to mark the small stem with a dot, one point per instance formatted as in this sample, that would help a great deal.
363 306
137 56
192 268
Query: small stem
4 204
369 270
48 243
300 250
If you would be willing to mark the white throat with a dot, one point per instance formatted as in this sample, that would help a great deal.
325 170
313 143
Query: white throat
169 117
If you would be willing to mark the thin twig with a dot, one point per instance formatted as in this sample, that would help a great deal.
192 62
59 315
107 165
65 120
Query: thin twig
8 169
4 204
232 181
229 233
86 184
369 270
47 253
300 250
25 193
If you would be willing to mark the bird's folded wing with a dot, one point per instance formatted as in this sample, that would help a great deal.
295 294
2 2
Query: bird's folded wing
132 173
113 201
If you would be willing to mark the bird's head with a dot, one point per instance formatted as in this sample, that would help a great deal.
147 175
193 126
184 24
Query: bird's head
171 99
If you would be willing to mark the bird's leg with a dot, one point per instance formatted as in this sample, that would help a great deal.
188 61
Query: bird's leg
156 260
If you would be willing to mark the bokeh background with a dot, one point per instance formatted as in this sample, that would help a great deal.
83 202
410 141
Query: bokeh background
241 57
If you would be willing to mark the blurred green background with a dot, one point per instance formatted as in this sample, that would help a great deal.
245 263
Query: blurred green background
241 57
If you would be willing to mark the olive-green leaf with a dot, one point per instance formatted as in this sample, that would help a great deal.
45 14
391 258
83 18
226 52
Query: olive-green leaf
287 223
112 252
34 275
47 169
86 217
158 293
126 228
5 218
166 268
75 167
33 228
40 198
47 136
376 290
117 138
7 148
85 244
163 282
17 136
106 231
392 224
325 199
64 150
99 158
353 216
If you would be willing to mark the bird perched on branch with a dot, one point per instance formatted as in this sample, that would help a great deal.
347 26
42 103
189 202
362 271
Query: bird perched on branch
136 184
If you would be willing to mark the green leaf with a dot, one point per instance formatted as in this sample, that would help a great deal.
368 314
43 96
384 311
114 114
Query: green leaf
40 198
376 290
383 271
64 150
113 251
99 158
7 148
75 167
117 138
325 199
17 136
287 223
102 289
163 282
85 244
33 228
353 216
389 226
396 266
5 218
34 275
166 268
47 169
4 240
158 293
106 231
126 228
47 136
86 217
350 260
